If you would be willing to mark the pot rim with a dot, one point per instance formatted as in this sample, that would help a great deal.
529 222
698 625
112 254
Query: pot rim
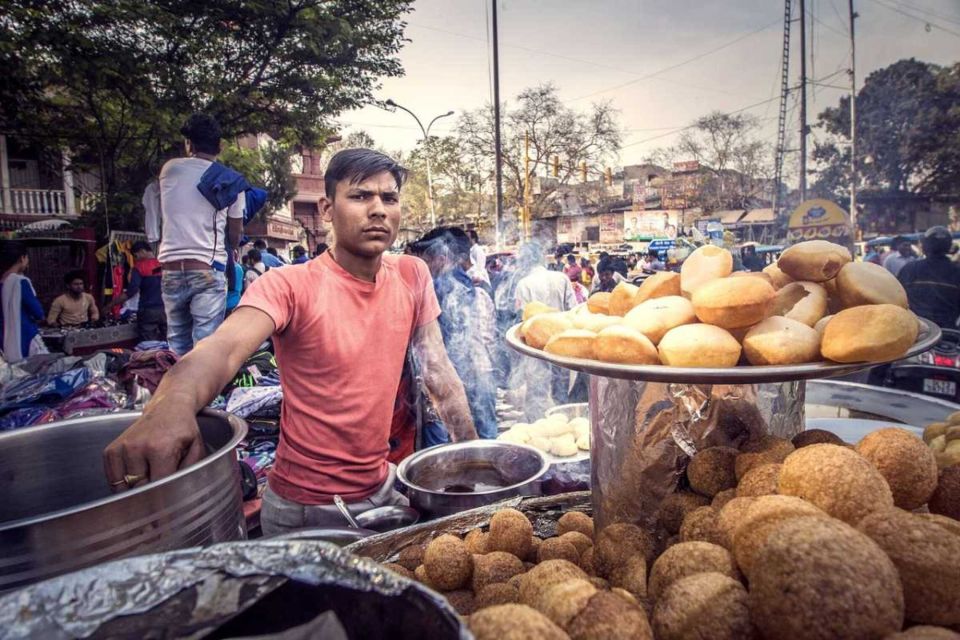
471 444
238 426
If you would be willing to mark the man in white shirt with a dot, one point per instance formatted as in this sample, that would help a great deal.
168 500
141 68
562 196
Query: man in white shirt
255 267
193 246
551 288
901 255
478 258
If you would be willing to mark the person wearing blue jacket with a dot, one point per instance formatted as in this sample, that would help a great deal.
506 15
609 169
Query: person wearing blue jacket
20 311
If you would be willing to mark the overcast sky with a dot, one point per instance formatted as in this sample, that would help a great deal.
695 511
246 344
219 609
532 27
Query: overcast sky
632 53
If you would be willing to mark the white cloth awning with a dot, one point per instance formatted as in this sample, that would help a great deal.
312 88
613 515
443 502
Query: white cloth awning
728 217
759 216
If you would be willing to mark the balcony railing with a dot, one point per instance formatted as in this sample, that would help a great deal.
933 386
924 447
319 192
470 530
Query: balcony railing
39 202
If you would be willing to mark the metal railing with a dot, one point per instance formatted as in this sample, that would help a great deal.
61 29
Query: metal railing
43 202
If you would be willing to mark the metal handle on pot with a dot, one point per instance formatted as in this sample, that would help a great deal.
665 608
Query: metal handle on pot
342 507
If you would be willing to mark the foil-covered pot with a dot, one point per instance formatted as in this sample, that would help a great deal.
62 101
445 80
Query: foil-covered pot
644 433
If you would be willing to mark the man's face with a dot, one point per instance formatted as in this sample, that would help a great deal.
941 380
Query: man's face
366 215
75 287
606 277
905 248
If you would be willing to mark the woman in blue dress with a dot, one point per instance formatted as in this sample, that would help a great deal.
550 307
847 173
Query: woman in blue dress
20 311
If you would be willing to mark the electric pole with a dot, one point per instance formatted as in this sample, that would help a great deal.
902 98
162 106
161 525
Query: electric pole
853 123
803 101
498 151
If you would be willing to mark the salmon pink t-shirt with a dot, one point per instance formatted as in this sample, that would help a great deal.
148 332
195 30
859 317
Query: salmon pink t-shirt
340 344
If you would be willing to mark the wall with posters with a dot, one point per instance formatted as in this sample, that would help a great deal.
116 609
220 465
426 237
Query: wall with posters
644 225
611 228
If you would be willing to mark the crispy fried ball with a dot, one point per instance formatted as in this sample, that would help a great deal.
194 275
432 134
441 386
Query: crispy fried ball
513 622
703 605
534 552
815 436
557 549
711 470
617 543
578 540
700 524
766 450
928 561
675 507
599 583
564 601
686 559
476 541
494 567
760 481
462 601
510 531
721 499
515 581
729 518
946 498
610 617
631 576
840 583
626 595
448 563
924 632
836 479
951 525
586 562
420 574
905 461
412 557
760 519
494 594
575 521
545 575
399 568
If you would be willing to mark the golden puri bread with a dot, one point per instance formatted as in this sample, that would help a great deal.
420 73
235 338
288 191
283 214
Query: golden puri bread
777 277
821 325
624 345
538 330
752 274
867 283
660 284
621 298
804 302
572 343
699 345
653 318
535 308
707 263
733 302
599 303
869 333
814 260
595 322
778 341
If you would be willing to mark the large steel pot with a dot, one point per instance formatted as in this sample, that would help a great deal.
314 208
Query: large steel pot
450 478
57 513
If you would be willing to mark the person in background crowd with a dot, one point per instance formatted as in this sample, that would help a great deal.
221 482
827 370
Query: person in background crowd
933 282
652 262
632 261
269 259
478 260
751 261
610 273
20 311
236 289
901 254
580 292
572 270
195 236
74 307
273 252
299 255
586 272
254 269
552 289
558 263
320 248
467 323
341 326
146 280
873 256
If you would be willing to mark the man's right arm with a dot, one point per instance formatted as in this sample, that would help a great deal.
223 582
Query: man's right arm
166 437
54 314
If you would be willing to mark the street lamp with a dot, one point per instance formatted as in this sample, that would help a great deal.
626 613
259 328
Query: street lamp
426 143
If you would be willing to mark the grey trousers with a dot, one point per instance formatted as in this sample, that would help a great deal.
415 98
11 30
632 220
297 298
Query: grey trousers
278 515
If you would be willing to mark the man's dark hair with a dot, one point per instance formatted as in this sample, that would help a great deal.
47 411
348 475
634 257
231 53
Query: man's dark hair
10 253
572 259
320 248
937 241
259 244
451 241
473 235
653 253
75 274
272 251
298 250
604 255
140 245
203 132
255 256
356 165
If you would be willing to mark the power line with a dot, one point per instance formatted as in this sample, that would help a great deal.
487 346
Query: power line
955 20
927 22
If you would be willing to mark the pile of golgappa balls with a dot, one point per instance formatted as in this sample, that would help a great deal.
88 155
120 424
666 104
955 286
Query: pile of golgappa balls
813 304
804 539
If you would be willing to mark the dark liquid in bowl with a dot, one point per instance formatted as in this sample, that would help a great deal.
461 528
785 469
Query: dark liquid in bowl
475 487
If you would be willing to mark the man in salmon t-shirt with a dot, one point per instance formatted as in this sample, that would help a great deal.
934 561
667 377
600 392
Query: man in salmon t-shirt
341 324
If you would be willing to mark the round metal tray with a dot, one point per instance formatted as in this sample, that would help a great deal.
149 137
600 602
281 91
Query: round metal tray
929 335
